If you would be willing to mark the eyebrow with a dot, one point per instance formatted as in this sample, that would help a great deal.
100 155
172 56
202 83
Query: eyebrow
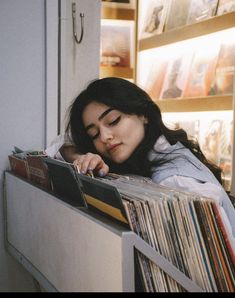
100 117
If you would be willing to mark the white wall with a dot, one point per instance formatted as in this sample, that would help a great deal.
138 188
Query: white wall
22 104
79 62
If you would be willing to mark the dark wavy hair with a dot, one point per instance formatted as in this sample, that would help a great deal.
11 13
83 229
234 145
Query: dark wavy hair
128 98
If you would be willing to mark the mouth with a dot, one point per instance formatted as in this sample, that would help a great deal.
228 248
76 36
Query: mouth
113 148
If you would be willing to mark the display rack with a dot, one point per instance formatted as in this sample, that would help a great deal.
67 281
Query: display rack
202 104
211 25
71 249
205 27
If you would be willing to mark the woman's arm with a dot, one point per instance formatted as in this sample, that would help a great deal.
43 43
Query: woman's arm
85 162
62 148
69 153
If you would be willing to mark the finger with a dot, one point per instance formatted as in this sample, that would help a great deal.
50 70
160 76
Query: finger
96 162
85 164
93 162
99 166
77 163
103 171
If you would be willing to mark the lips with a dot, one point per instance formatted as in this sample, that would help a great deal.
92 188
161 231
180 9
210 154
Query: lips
112 148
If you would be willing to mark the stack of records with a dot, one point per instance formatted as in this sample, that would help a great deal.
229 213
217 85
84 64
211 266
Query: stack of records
186 229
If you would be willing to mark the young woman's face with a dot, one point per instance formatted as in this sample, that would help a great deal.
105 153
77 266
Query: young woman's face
115 135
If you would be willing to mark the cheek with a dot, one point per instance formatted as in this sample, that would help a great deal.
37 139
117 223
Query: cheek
141 134
136 134
100 148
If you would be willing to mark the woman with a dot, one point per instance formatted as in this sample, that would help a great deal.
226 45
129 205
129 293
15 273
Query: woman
118 128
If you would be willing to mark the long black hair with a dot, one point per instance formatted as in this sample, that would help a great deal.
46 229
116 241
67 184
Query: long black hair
128 98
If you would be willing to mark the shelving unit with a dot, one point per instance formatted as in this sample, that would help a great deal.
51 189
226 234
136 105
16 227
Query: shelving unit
118 13
211 25
117 71
196 104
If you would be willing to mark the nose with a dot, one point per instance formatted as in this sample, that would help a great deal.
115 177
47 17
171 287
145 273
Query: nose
105 134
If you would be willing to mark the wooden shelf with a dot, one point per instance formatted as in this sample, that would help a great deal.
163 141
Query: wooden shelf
211 25
210 103
117 71
118 13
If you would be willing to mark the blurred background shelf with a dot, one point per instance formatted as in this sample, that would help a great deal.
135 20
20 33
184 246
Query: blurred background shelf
197 104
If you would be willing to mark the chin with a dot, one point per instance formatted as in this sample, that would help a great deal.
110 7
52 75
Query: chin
119 160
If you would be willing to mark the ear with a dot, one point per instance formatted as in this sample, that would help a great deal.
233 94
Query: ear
146 121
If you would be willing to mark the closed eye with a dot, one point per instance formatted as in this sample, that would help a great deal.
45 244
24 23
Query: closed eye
115 121
94 136
112 123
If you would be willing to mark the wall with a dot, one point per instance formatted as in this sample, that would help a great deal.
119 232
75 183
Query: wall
79 62
22 109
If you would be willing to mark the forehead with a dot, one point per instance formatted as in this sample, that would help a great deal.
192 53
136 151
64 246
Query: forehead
93 110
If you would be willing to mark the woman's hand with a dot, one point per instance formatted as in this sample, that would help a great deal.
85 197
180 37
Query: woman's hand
91 162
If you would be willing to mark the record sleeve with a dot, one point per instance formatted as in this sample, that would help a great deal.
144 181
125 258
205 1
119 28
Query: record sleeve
177 72
202 71
225 6
152 16
200 10
177 14
223 82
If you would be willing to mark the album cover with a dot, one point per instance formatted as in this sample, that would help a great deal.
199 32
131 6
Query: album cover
177 14
156 77
37 171
117 43
211 137
192 128
200 10
152 16
202 71
177 71
225 6
223 82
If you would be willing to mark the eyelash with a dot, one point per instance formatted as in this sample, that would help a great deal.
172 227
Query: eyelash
115 121
110 124
95 136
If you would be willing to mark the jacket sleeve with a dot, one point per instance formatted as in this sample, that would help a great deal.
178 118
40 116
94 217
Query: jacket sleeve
53 150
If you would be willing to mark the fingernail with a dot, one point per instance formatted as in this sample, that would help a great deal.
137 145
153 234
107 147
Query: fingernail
83 172
101 173
90 168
